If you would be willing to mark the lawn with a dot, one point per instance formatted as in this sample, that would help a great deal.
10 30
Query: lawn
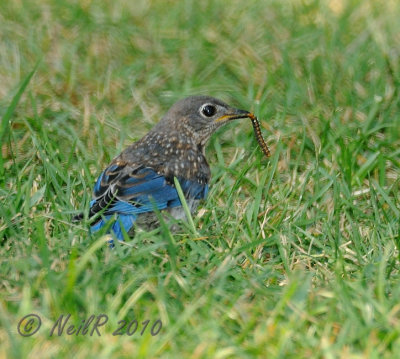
295 256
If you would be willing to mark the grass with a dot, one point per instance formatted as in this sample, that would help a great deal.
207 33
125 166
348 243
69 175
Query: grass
296 256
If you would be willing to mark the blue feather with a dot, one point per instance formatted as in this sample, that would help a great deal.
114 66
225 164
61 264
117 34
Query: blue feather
98 184
129 195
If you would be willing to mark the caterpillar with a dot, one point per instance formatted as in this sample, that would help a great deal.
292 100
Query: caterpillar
259 137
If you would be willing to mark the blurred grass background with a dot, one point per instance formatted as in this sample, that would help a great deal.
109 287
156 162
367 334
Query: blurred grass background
298 255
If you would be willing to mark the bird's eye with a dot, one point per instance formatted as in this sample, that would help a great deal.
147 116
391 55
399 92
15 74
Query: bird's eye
208 110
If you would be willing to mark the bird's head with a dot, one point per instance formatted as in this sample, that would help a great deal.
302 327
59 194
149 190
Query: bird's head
200 116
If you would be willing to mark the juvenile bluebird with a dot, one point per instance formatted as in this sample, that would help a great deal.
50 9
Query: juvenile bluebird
141 178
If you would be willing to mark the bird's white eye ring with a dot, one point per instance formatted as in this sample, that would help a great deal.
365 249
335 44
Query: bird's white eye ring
208 110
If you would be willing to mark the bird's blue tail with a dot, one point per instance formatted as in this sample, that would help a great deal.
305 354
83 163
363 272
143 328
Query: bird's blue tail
123 221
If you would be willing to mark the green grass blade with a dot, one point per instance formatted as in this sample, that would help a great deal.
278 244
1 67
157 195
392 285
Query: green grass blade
185 206
5 124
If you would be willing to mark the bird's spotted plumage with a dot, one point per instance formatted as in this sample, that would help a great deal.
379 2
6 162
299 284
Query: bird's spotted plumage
142 176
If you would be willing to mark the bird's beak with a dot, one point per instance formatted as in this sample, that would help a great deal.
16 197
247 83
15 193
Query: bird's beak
235 114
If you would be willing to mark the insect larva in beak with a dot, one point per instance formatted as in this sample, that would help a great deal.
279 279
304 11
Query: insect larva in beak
259 137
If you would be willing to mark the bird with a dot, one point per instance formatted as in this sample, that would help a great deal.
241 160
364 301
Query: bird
140 180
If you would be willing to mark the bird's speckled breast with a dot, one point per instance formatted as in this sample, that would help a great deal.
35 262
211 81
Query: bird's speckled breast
170 156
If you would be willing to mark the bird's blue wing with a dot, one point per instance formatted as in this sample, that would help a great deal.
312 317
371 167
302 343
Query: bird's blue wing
127 192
